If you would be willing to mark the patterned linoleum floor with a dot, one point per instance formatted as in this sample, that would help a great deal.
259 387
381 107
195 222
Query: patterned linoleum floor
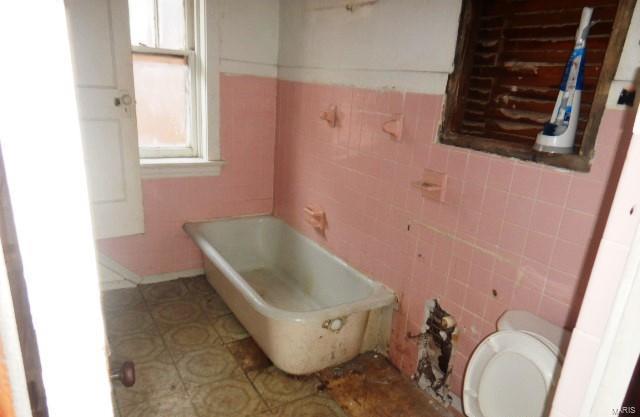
185 345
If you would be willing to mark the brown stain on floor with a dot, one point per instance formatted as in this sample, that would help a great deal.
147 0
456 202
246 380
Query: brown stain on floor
249 355
370 386
172 380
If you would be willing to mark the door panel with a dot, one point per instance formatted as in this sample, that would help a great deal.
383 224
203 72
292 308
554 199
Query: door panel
99 31
91 22
103 150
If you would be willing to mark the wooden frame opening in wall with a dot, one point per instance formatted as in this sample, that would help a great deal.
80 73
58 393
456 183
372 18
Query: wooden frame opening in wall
508 66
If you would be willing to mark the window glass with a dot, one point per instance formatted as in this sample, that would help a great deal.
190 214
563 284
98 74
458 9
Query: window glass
162 100
142 22
171 24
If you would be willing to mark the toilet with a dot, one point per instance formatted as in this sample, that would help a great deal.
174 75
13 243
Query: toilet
513 371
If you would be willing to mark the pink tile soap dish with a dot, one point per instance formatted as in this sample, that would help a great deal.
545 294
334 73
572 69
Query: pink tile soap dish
433 185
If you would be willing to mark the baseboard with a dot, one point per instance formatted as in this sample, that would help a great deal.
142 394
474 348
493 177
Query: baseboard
170 276
114 276
116 285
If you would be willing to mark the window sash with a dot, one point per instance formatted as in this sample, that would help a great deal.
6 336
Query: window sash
194 147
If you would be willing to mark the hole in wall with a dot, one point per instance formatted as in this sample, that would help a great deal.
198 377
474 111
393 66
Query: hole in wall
494 292
632 210
435 352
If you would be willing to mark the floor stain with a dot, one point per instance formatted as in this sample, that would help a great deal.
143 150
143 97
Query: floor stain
249 355
370 386
191 363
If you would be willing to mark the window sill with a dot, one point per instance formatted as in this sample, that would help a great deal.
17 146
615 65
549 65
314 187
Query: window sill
179 167
573 162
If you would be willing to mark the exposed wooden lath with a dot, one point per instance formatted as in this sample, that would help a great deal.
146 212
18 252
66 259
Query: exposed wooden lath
518 54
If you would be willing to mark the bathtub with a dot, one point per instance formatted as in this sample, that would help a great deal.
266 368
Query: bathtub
306 308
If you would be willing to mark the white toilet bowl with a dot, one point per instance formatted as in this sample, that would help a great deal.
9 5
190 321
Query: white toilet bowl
514 371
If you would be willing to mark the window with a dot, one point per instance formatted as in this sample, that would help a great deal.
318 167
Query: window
509 62
165 77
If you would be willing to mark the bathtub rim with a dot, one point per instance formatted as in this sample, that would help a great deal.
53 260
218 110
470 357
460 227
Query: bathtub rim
380 297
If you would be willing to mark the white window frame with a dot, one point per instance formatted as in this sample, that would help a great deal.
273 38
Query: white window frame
206 94
193 130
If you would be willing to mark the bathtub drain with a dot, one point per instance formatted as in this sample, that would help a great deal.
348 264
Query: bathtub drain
334 324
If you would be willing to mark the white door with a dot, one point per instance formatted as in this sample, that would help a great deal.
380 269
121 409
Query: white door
101 50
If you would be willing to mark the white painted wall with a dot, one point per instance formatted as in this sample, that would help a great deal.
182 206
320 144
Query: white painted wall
248 36
404 44
630 58
627 73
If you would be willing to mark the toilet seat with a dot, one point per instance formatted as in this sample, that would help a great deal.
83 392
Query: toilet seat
510 374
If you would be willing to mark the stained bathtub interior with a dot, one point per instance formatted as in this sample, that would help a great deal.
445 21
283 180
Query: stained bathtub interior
280 266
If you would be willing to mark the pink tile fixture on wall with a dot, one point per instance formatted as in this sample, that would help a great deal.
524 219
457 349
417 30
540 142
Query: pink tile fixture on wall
510 234
247 134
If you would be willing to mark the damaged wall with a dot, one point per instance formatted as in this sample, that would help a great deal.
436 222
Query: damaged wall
436 347
510 234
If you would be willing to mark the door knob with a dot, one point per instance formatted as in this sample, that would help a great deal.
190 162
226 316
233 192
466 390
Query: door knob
125 99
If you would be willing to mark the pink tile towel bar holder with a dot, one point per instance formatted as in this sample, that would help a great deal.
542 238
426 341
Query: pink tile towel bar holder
330 115
392 127
316 218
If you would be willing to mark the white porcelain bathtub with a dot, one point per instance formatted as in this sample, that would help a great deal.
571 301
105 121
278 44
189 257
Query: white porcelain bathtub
306 308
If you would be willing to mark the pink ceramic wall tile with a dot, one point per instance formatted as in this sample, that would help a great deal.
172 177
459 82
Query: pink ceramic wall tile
468 221
577 227
568 257
482 259
563 287
585 195
478 167
500 173
512 210
546 218
525 298
490 229
539 247
526 178
512 238
518 210
532 274
503 287
475 301
438 157
481 280
495 202
472 194
554 186
457 164
554 311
